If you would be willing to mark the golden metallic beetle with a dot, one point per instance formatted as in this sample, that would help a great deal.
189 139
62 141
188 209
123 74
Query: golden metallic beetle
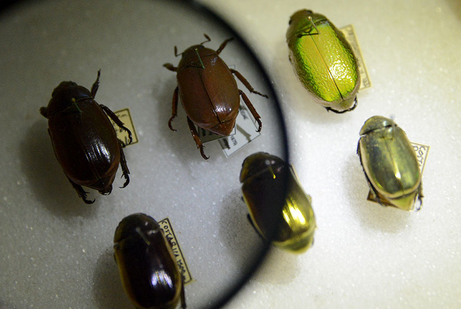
263 179
323 61
390 164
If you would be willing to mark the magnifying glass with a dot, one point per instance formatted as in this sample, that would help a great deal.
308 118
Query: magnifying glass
58 251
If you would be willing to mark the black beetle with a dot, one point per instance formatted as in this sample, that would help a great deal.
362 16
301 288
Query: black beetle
83 138
208 91
149 273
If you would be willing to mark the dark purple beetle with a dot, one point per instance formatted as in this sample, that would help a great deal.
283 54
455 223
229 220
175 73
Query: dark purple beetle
83 138
208 91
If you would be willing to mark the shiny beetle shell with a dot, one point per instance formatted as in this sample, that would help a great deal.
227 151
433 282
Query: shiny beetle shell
323 61
390 164
208 92
262 177
148 269
83 138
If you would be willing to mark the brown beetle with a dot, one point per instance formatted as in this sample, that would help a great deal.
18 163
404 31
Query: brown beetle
147 265
208 91
83 138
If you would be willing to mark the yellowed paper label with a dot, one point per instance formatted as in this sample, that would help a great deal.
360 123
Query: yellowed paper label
167 228
421 154
349 33
125 117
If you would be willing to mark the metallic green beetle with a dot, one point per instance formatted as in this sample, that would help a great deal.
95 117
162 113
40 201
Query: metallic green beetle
323 61
390 164
262 177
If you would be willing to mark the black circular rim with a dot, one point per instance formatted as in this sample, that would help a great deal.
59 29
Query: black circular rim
258 258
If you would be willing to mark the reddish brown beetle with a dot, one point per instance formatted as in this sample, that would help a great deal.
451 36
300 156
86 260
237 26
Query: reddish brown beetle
83 138
208 91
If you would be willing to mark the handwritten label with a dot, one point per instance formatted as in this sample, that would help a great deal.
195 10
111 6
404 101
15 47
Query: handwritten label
125 117
351 38
208 136
243 133
167 228
421 154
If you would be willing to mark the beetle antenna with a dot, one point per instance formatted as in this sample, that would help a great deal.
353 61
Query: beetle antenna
176 52
138 230
207 39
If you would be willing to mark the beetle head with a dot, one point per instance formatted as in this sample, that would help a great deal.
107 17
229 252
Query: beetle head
376 123
303 22
135 224
192 57
258 163
299 15
67 90
65 95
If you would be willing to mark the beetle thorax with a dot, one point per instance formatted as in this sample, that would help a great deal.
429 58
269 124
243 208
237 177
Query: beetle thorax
302 22
65 95
192 57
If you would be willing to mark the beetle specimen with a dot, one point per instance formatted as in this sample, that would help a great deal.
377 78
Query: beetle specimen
264 178
208 91
83 138
390 164
323 61
148 269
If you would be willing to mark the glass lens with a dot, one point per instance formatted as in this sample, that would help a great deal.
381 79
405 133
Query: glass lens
57 250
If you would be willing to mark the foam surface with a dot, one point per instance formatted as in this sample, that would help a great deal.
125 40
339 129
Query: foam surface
57 251
367 256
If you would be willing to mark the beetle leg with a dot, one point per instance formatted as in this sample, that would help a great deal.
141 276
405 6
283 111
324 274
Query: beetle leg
420 198
95 86
197 140
81 193
170 67
246 83
125 170
174 107
207 39
219 50
44 112
252 109
114 117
